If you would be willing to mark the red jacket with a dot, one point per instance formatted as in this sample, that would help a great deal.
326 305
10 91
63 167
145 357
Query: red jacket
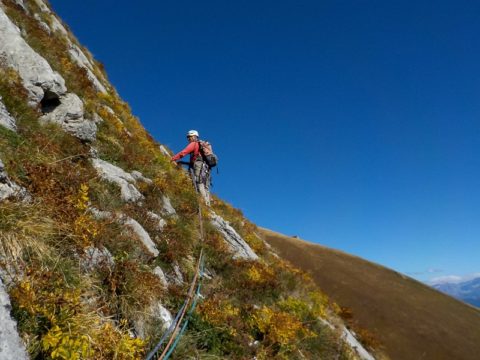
192 148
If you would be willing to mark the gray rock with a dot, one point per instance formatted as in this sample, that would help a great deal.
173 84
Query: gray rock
137 175
238 246
69 115
357 347
176 277
109 109
148 320
131 224
94 257
97 119
159 222
43 7
164 151
116 175
8 189
141 234
11 345
79 57
42 24
57 26
93 152
158 272
167 206
6 119
99 214
36 74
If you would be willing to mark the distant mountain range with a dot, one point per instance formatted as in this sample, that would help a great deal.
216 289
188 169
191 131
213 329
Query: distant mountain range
467 291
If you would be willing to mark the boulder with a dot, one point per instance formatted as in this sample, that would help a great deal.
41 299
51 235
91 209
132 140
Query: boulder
116 175
69 115
6 120
237 244
11 346
37 76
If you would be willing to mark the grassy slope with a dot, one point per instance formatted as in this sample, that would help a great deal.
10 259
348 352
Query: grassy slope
265 309
412 320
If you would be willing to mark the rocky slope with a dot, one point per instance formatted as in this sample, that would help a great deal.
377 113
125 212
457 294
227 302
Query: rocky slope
100 234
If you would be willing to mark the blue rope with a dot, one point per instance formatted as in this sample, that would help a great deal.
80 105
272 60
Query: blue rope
165 335
185 324
174 323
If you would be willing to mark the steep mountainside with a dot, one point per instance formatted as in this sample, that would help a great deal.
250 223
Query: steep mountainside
102 239
410 319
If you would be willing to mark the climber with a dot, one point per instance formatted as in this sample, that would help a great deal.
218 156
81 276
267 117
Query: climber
198 168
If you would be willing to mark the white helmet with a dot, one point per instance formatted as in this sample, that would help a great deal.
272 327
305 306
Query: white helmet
192 133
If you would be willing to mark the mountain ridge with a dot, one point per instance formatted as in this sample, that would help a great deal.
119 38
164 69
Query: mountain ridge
408 317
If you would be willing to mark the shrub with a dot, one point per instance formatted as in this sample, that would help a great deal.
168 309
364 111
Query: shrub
279 331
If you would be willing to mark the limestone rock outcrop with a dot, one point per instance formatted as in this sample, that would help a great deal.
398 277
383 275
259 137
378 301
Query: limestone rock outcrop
123 179
168 209
6 120
143 236
11 346
236 243
38 77
159 222
70 116
131 224
81 59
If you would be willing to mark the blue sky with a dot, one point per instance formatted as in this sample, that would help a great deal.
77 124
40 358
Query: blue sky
354 124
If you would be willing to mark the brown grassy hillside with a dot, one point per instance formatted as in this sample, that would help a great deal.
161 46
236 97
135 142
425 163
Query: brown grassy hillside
411 320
